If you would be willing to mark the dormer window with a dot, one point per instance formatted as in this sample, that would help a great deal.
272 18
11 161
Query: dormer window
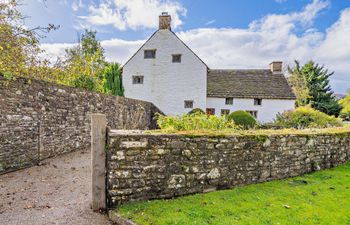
150 54
177 58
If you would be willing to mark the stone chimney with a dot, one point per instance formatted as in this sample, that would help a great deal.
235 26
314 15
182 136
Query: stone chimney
165 21
276 67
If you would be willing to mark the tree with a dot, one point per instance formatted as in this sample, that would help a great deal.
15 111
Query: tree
299 85
113 80
83 64
19 45
311 85
345 103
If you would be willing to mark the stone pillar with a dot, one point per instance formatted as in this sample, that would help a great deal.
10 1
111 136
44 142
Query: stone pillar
98 160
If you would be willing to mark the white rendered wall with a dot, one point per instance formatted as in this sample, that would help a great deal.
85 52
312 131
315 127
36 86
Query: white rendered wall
266 112
167 85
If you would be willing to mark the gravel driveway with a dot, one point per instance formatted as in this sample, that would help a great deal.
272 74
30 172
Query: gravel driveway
58 192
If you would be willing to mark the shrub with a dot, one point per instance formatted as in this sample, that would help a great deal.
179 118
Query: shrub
345 115
196 111
242 118
194 122
306 117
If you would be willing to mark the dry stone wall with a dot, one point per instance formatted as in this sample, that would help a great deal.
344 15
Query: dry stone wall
143 166
40 119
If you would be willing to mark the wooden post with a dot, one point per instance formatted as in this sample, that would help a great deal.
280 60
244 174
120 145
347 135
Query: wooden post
98 161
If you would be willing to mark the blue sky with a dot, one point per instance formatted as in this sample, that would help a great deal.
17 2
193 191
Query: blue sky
225 34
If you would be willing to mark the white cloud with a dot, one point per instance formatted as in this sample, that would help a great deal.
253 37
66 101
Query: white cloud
210 22
273 37
135 14
77 4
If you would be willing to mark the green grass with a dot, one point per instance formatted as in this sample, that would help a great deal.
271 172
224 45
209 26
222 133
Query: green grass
319 198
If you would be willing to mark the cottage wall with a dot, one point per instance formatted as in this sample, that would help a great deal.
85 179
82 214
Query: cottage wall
267 111
166 84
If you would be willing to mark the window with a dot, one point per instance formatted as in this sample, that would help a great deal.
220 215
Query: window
225 112
253 113
210 111
257 101
229 101
177 58
137 79
150 54
188 104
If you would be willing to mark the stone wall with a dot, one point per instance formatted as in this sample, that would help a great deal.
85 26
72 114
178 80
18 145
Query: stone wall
40 120
144 166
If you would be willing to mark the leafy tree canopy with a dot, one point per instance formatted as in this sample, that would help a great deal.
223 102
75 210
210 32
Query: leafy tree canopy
311 85
113 80
19 45
345 103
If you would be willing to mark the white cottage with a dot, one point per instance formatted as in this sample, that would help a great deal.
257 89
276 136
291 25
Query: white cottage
166 72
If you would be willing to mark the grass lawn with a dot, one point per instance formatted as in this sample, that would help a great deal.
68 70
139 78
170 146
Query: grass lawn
319 198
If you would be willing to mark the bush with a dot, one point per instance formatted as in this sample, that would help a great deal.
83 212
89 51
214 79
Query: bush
306 117
242 118
196 111
345 115
194 122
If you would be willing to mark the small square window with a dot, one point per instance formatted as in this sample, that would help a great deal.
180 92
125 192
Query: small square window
229 101
257 101
210 111
137 79
253 113
225 112
188 104
177 58
150 54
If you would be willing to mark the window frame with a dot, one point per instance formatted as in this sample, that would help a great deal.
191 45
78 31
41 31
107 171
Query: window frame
225 110
258 101
253 113
186 102
229 101
145 56
176 55
212 111
141 77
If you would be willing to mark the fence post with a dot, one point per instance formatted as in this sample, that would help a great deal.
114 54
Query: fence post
98 161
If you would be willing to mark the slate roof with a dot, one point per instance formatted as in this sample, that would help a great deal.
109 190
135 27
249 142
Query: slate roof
248 84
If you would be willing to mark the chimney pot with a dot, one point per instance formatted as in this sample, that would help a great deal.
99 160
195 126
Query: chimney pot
165 21
276 67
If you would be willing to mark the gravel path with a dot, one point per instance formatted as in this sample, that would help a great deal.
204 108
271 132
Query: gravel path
58 192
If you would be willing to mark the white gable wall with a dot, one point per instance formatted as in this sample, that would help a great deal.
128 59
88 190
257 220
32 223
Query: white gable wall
166 84
266 112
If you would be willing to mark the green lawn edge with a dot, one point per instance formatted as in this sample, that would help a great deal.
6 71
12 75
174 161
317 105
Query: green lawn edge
318 198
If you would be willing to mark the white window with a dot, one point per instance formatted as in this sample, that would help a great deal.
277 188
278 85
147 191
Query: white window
150 54
257 101
137 79
177 58
188 104
229 101
210 111
225 112
253 113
